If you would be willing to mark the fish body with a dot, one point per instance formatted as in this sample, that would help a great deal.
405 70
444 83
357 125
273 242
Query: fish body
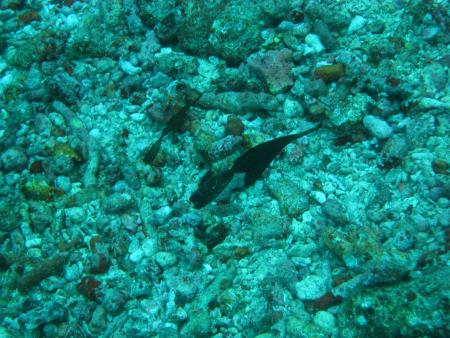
210 187
252 164
172 125
255 160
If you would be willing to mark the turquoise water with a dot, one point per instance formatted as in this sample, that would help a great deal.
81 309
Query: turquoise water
224 169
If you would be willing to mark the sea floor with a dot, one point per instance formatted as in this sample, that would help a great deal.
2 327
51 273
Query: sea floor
128 129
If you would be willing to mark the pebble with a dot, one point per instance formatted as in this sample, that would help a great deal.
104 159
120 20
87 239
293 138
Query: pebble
129 68
377 127
161 215
73 272
33 242
356 24
136 255
14 159
149 247
319 196
334 210
165 259
311 287
118 202
292 108
325 320
76 214
313 41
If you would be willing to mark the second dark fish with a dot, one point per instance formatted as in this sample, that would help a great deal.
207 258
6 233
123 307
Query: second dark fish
252 164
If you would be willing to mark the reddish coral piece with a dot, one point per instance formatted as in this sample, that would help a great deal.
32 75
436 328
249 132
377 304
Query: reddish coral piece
93 242
29 16
88 287
234 126
274 67
411 296
68 3
327 300
341 279
47 268
125 133
15 4
99 263
36 167
330 73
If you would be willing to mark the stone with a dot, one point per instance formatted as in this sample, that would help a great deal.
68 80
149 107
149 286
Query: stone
165 259
293 199
313 41
334 210
149 247
14 159
356 24
325 320
118 202
274 68
377 127
292 108
312 287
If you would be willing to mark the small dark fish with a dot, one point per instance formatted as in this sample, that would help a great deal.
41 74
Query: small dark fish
180 98
210 187
252 163
174 124
150 153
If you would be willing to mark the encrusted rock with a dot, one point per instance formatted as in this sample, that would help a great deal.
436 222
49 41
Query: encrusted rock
311 287
292 198
239 102
14 159
333 209
165 259
274 67
377 127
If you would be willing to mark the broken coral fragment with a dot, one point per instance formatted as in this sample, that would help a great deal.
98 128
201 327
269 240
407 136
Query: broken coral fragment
274 68
330 73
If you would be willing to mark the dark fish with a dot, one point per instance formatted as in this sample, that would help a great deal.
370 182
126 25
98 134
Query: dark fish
210 187
252 163
150 153
174 124
178 102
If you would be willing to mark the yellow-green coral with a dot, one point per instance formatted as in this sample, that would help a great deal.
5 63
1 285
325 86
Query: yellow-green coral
39 189
356 241
63 149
